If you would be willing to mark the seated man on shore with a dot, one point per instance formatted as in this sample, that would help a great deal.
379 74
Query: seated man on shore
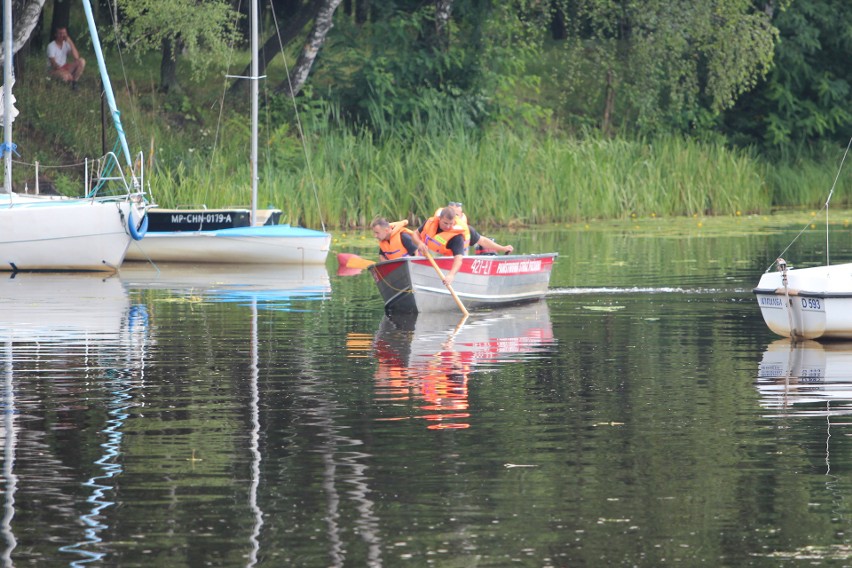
395 240
57 56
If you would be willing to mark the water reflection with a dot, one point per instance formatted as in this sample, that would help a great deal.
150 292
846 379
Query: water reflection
279 288
427 359
59 307
806 378
267 287
51 323
10 440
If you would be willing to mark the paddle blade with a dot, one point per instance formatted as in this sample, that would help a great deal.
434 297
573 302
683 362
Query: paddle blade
343 271
349 260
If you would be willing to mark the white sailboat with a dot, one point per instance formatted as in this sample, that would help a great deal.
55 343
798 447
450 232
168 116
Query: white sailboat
60 233
808 303
232 236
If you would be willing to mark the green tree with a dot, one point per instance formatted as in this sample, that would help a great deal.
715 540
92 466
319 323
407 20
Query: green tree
806 97
662 64
441 62
201 31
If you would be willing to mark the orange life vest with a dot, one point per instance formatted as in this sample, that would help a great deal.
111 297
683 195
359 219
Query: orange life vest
393 247
461 223
436 239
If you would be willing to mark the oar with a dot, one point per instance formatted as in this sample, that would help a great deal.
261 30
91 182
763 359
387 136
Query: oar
349 260
450 288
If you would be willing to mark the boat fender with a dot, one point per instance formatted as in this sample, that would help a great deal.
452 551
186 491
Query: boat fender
137 234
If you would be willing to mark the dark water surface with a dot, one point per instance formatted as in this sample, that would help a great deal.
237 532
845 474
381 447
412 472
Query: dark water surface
642 415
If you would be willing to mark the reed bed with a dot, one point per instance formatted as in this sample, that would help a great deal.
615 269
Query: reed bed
507 179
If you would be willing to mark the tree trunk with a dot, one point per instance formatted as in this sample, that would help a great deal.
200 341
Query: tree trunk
61 17
27 13
558 29
299 73
322 25
272 46
443 9
168 65
362 11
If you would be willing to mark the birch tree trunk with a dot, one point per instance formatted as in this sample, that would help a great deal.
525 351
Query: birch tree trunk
443 9
323 22
26 17
272 46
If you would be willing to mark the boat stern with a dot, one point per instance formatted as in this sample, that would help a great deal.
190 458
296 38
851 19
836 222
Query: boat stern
807 303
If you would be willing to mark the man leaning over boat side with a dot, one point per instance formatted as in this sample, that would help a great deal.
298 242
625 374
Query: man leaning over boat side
395 240
443 236
57 57
483 244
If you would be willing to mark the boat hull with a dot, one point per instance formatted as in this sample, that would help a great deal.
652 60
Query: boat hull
412 284
177 220
816 303
270 244
62 234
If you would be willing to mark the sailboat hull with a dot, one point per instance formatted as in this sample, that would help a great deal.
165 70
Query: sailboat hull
49 233
270 244
815 303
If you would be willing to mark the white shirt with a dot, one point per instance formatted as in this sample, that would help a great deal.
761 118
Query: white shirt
58 54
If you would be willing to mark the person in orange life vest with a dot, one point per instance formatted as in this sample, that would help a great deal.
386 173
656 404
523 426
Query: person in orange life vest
395 241
483 244
443 237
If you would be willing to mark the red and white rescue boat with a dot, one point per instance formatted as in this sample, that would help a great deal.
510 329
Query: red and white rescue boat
411 284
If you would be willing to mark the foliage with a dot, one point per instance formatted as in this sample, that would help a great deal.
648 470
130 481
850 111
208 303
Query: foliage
397 72
203 28
807 95
668 66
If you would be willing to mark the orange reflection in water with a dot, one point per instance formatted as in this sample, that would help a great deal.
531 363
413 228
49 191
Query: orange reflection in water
424 361
439 382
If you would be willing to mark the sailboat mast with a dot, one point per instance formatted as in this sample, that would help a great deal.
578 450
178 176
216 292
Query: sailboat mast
110 97
7 94
254 17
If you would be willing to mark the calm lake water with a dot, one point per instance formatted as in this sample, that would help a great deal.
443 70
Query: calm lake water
643 415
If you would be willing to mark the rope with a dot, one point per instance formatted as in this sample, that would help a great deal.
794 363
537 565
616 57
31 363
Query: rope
43 167
395 289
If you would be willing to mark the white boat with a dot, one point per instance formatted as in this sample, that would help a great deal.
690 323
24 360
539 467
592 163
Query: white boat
265 244
807 303
806 378
411 284
231 236
60 233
